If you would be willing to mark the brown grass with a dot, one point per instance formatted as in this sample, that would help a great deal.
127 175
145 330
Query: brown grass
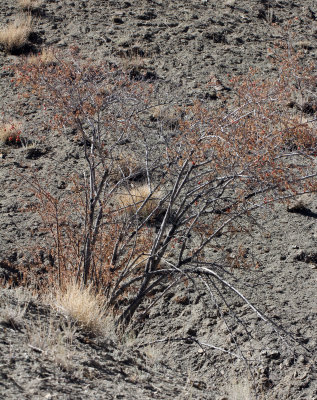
169 116
131 57
132 199
83 305
12 314
28 4
46 57
15 34
125 165
10 132
54 340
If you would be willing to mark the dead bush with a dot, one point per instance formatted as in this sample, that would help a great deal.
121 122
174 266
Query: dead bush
206 180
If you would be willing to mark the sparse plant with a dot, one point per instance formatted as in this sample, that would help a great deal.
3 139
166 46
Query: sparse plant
13 316
83 305
13 313
46 57
213 175
53 339
10 133
28 4
127 166
139 200
15 35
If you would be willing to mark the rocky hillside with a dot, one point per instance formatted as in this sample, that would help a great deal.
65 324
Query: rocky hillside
187 348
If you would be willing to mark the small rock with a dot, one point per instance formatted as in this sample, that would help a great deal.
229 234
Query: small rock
288 362
230 3
191 331
301 203
300 255
117 20
61 184
271 354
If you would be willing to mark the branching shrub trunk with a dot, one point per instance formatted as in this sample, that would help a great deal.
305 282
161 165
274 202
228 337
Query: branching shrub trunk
204 181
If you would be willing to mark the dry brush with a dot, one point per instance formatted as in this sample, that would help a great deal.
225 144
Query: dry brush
202 182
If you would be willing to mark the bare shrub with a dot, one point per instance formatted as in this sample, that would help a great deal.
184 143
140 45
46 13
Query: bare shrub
15 34
213 175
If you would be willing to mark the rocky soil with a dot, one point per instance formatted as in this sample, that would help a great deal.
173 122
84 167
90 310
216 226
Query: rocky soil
177 46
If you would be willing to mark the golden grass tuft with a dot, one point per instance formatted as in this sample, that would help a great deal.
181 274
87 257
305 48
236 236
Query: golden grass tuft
46 57
10 133
28 4
131 199
169 116
15 34
126 165
84 306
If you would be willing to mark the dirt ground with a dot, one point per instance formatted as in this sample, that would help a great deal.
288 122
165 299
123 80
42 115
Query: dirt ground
177 46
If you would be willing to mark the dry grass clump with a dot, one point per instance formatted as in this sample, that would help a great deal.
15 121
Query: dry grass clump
126 165
13 316
53 340
167 115
84 306
133 57
10 133
13 307
46 57
28 4
133 62
15 35
139 200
